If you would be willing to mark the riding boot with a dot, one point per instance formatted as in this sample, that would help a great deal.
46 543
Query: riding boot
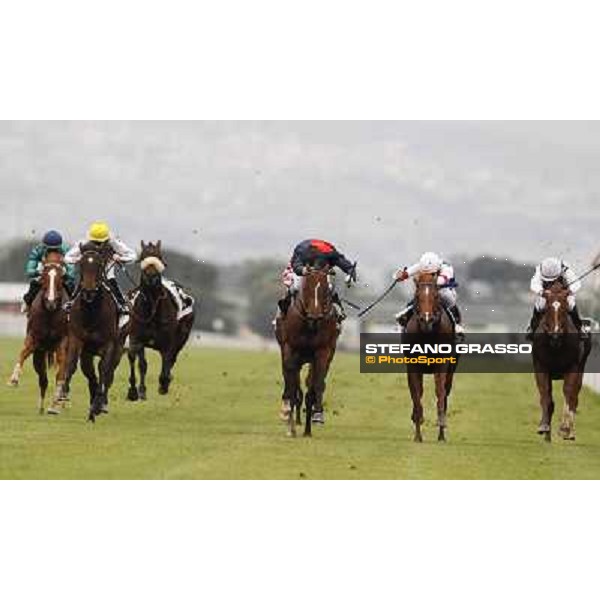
341 313
118 295
284 303
34 287
457 318
534 324
575 316
404 316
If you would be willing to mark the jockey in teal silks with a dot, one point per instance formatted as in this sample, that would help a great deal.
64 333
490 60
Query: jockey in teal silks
51 242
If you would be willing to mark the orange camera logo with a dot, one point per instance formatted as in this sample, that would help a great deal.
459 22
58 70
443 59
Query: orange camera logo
370 360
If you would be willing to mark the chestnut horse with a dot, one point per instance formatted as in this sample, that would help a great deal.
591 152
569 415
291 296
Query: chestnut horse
46 336
429 324
558 353
94 328
154 323
307 334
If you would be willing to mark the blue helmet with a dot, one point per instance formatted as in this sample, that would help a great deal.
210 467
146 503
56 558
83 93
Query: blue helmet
52 239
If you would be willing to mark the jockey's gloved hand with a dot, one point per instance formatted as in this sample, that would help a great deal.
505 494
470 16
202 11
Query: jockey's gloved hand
401 274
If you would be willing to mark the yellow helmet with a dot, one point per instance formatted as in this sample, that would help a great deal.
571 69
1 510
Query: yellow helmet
99 232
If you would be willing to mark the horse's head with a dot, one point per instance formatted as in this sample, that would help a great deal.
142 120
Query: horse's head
555 320
152 263
427 301
315 294
52 280
91 270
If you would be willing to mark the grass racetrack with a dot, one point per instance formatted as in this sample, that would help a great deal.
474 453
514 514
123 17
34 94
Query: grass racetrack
220 422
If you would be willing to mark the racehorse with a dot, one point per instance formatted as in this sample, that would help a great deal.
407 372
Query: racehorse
94 329
558 353
429 324
46 336
307 334
155 323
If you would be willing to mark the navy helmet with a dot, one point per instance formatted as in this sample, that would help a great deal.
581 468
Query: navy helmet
52 239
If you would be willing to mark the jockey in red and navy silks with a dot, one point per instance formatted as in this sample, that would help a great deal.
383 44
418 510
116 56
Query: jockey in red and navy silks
311 253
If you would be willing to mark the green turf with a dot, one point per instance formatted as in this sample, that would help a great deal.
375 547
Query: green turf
220 421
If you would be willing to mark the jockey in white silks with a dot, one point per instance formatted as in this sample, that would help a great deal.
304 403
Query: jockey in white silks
549 271
183 301
430 262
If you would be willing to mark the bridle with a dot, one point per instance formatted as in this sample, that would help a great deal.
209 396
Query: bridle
154 305
427 287
301 304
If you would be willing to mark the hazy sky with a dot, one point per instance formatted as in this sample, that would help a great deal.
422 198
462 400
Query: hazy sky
382 191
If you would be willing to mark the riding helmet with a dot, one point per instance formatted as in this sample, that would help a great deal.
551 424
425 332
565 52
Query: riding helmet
52 239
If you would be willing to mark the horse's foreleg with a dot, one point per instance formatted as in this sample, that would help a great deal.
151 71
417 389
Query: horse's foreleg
571 393
60 394
88 369
27 350
40 365
544 385
318 376
74 348
441 396
143 363
106 370
291 389
164 379
132 353
415 385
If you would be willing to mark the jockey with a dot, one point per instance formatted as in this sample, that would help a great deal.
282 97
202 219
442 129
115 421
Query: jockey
51 242
549 271
430 262
309 253
100 235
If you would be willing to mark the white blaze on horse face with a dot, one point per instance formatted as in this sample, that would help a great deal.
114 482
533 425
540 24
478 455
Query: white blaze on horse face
52 285
427 294
317 295
556 307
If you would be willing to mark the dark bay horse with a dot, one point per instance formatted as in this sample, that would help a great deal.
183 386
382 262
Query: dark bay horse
558 353
46 336
429 324
307 335
94 329
155 323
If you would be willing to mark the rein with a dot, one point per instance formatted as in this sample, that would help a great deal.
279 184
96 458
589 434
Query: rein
155 306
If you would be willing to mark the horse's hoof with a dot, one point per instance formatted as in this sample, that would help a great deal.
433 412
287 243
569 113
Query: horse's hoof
142 394
286 410
441 437
132 394
12 383
163 391
307 434
291 434
418 438
104 410
53 410
318 418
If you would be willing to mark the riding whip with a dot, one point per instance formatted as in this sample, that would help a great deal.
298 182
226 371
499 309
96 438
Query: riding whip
350 304
378 300
585 274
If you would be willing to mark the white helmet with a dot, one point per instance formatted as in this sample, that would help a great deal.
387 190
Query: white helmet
551 268
430 262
